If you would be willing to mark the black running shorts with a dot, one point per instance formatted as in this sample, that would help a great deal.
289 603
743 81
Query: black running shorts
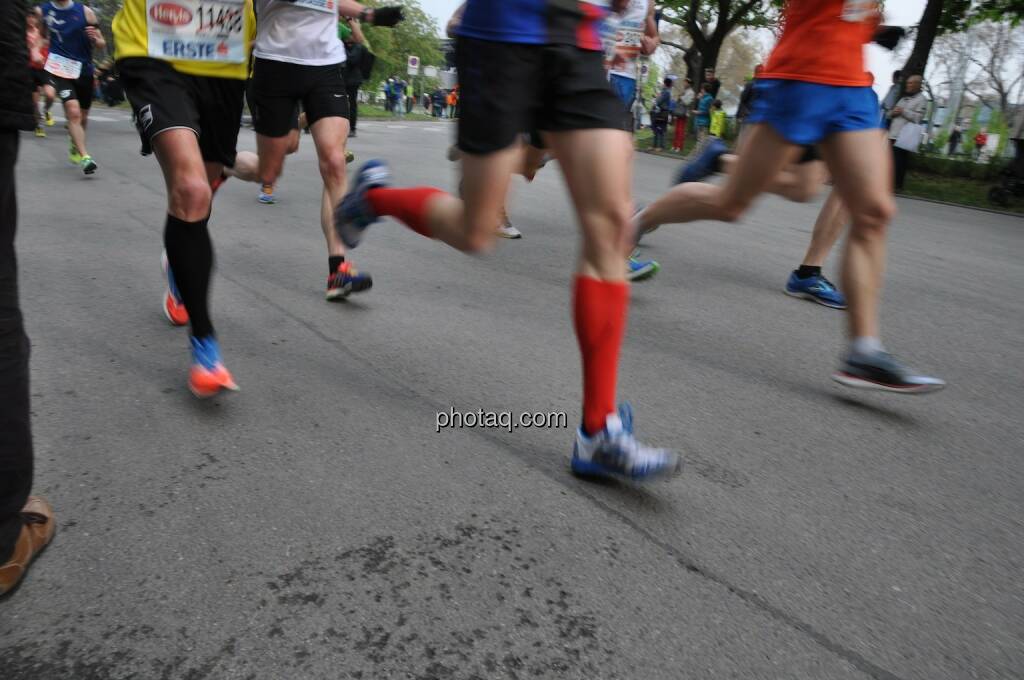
40 77
164 99
79 90
509 89
250 101
279 87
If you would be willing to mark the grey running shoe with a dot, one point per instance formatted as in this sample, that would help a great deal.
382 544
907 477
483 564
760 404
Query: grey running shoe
882 371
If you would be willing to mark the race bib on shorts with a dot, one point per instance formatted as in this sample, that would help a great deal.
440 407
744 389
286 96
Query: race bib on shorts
62 67
197 30
319 5
859 10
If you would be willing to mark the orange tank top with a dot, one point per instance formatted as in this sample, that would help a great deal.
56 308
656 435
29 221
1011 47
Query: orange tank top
823 42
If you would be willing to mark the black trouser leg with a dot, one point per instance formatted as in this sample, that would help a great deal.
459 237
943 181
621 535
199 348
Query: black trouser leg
190 254
15 431
353 106
900 159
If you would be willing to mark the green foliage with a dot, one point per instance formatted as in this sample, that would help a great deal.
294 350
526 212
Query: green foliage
417 35
652 86
957 168
958 15
707 23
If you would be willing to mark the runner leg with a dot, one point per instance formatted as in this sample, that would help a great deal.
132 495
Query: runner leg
329 135
765 154
862 169
186 236
827 230
76 128
598 171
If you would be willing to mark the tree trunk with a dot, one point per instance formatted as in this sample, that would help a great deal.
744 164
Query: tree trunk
926 32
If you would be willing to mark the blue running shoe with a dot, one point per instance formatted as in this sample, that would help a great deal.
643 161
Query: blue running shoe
638 270
816 288
266 196
615 452
208 376
355 213
346 280
704 164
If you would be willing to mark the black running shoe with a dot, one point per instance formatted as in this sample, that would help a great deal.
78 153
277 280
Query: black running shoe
882 371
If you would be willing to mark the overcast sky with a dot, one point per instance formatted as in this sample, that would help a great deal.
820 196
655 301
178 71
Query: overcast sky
897 12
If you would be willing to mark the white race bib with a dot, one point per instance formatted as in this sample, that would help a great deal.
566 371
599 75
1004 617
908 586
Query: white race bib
197 30
319 5
62 67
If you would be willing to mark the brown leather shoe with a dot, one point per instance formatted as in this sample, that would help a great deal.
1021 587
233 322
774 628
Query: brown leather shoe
38 531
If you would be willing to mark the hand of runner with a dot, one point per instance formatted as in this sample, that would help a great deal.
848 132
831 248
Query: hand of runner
387 16
92 33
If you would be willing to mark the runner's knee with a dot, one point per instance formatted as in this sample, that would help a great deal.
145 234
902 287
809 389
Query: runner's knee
332 163
190 198
871 218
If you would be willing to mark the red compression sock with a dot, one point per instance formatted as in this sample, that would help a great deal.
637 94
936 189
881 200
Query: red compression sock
406 205
599 309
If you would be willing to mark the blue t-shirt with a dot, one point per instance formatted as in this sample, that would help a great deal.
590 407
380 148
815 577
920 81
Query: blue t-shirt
704 110
536 22
67 32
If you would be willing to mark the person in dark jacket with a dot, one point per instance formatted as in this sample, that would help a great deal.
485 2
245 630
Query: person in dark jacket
357 63
26 522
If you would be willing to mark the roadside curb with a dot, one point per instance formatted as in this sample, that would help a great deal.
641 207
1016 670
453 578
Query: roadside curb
961 205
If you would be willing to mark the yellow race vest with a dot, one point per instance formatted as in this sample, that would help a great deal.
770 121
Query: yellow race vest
210 38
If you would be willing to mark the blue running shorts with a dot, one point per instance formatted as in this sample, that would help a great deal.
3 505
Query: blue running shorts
806 113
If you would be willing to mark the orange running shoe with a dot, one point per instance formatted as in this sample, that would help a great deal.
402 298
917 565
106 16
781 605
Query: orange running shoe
208 376
174 307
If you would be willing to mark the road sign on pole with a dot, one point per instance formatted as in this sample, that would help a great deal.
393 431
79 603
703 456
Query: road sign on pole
414 66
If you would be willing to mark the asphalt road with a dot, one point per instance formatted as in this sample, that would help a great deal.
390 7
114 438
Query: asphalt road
316 526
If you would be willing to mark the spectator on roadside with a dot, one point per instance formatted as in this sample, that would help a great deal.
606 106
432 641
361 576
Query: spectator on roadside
980 141
437 103
703 112
713 81
1017 136
954 140
680 111
638 111
892 96
747 96
452 101
398 97
717 127
357 67
909 110
660 113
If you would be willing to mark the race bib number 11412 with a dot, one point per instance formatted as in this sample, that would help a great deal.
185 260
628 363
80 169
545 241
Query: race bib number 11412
197 30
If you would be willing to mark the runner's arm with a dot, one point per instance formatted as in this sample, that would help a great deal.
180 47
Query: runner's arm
92 29
378 16
650 40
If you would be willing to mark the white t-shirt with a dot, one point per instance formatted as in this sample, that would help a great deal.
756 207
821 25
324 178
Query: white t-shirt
300 32
626 30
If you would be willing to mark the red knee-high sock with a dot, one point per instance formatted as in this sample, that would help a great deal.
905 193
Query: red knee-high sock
406 205
599 309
